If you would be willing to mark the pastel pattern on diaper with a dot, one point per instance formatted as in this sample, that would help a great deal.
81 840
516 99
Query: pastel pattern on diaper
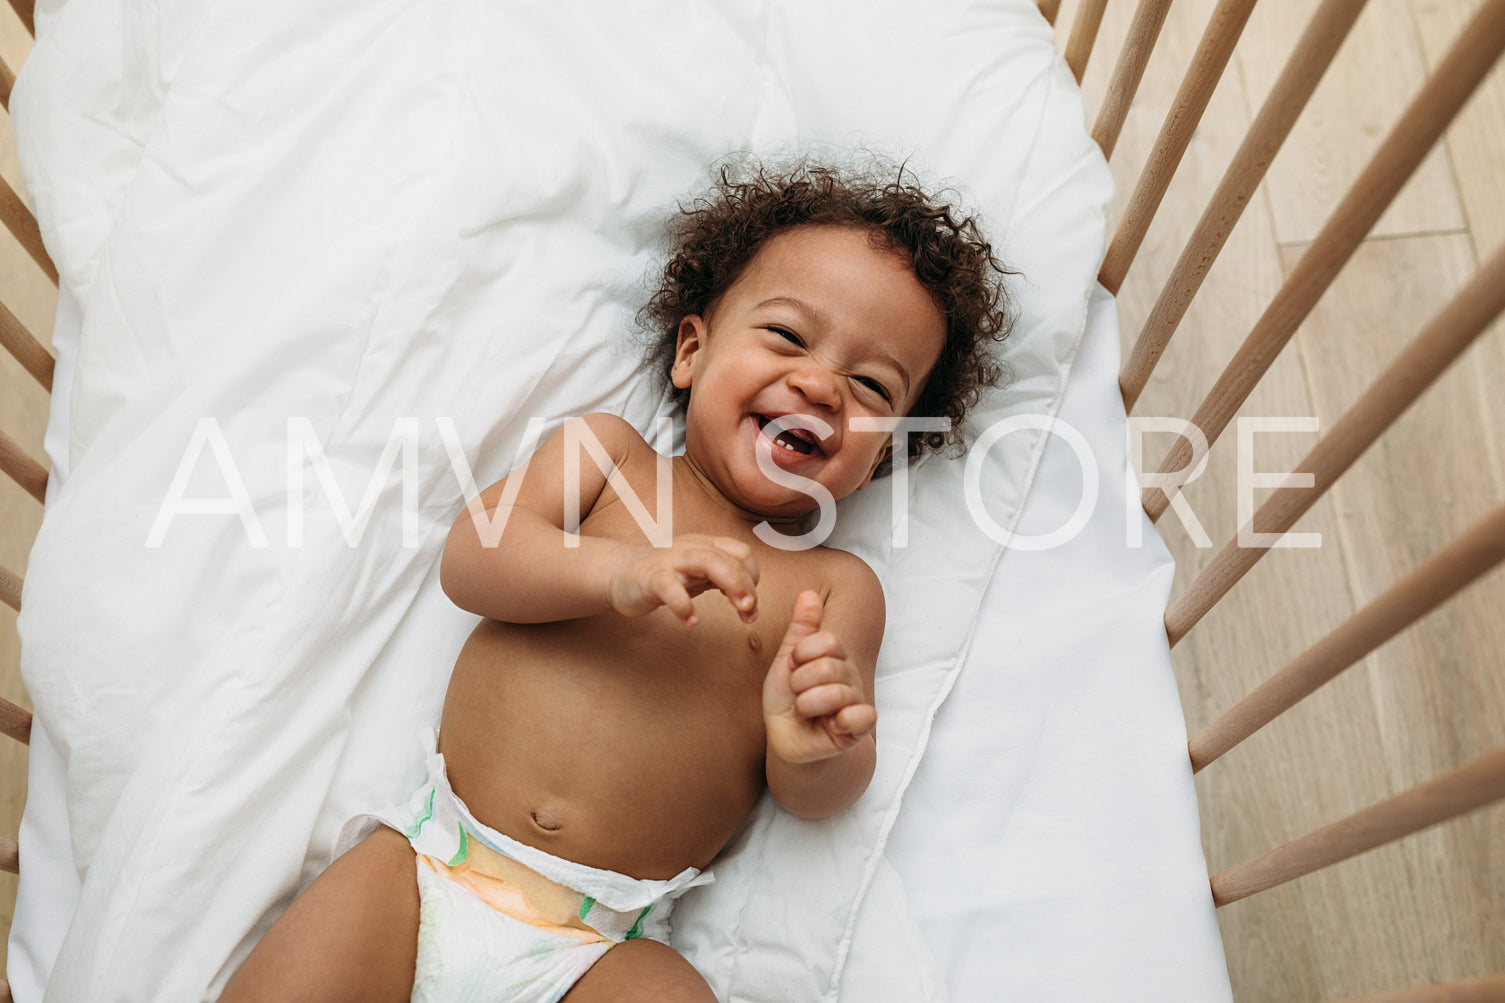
509 888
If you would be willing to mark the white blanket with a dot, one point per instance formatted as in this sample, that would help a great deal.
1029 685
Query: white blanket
361 212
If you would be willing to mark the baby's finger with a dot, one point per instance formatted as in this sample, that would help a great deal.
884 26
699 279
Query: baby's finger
826 699
824 670
672 593
821 644
731 577
856 720
804 620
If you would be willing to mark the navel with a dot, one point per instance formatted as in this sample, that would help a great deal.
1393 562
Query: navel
754 641
546 820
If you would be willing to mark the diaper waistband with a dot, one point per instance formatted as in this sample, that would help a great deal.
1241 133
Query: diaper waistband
439 825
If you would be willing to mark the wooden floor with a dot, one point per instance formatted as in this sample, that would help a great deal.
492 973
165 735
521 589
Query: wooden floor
1431 908
1428 909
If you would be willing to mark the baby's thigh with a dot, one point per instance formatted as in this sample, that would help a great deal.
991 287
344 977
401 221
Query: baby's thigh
641 971
352 935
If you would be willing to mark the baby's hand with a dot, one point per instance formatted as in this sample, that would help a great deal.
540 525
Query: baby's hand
813 702
649 577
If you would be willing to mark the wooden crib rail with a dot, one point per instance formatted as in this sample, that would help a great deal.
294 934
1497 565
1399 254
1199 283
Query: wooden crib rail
1448 796
22 469
23 226
15 721
1451 332
1474 52
1441 576
10 588
25 348
1306 66
1149 18
7 81
1207 65
1089 17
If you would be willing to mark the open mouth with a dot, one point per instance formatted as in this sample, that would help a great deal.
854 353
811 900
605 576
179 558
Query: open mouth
794 440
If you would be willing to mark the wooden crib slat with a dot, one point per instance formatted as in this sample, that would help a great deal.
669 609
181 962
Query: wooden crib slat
1412 597
1448 335
1487 989
1089 17
25 471
15 721
26 349
1207 65
1050 8
26 11
7 81
23 226
1473 53
10 588
1437 800
10 856
1306 66
1144 30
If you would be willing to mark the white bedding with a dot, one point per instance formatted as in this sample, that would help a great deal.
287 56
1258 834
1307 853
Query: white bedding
358 212
1049 843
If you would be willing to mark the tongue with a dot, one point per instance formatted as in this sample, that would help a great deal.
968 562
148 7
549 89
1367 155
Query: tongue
793 441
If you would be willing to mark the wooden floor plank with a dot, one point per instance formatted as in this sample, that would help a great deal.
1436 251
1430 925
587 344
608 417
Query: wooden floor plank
1476 141
1374 77
1476 149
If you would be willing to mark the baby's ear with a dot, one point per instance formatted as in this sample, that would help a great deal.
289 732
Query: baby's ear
692 332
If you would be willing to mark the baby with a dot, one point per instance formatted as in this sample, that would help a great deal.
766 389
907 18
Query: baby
622 705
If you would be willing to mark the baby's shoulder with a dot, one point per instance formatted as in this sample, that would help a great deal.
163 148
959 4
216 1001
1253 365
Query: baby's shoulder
609 437
847 576
854 606
608 429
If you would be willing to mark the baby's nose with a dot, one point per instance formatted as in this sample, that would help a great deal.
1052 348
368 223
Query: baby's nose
817 384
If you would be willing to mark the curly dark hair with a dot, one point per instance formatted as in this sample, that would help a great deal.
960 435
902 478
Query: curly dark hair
716 236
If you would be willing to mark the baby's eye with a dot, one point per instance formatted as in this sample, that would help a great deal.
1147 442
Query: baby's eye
874 386
788 336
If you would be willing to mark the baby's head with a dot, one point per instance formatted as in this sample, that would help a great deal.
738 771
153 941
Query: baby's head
857 295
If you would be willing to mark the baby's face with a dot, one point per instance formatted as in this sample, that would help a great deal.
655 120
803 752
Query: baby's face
821 323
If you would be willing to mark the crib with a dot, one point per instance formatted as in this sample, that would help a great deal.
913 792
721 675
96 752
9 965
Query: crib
1415 742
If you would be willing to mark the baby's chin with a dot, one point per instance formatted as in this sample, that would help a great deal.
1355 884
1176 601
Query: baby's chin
796 525
784 515
790 508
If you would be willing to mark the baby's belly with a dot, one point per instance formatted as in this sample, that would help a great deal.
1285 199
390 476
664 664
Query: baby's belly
640 761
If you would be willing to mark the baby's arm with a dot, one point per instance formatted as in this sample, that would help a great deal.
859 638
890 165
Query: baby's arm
817 697
533 577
